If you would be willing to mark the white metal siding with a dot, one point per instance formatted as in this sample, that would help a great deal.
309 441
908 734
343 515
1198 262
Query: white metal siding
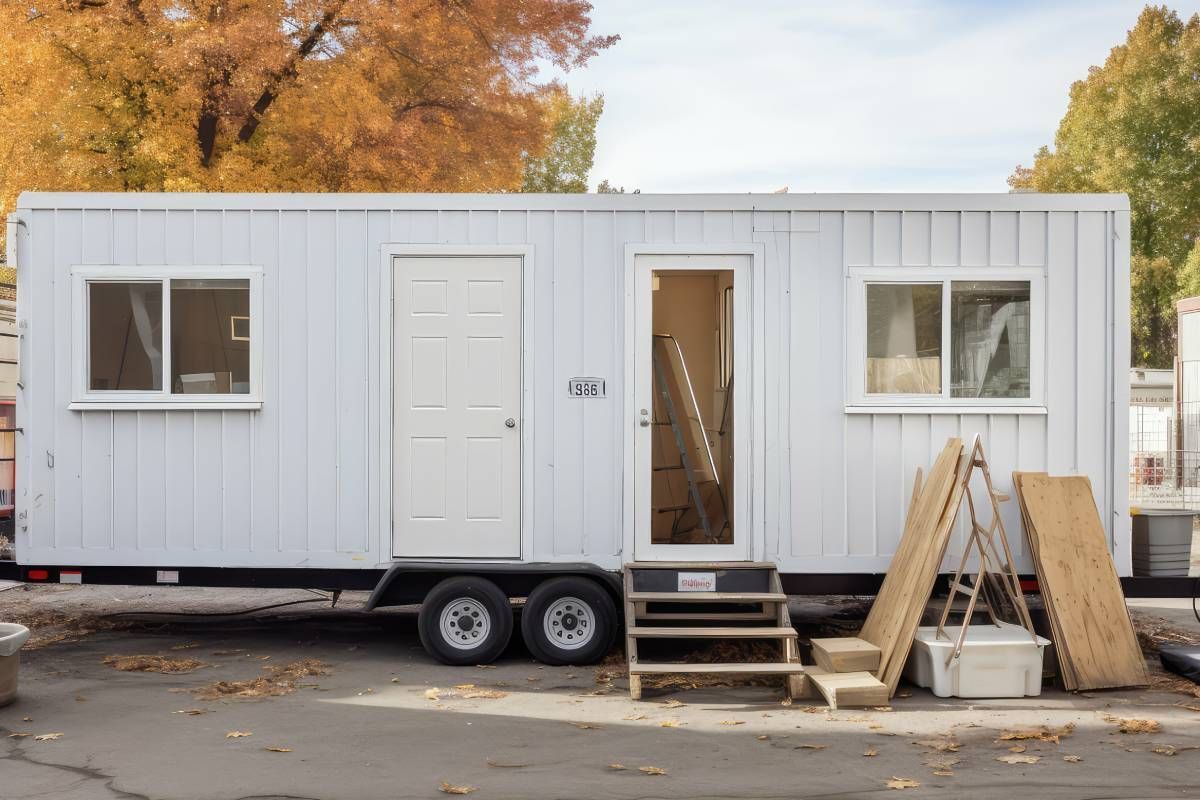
297 483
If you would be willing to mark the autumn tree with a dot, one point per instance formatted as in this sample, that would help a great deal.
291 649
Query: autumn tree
567 159
288 95
1133 126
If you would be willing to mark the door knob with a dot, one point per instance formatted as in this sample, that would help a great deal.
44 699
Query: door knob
510 423
645 420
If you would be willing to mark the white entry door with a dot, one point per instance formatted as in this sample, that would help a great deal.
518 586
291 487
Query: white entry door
456 392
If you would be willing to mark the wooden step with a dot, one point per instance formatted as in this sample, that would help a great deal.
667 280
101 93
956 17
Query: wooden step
706 597
848 688
644 632
845 654
765 668
702 566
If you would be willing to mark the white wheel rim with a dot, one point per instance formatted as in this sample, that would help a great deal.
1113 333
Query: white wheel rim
569 623
465 623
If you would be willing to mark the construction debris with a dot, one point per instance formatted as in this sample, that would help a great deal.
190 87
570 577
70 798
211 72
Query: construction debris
142 663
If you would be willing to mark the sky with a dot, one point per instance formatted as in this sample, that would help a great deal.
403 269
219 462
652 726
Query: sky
850 96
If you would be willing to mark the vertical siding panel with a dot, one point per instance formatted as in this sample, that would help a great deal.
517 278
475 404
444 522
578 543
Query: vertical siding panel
806 412
860 497
660 226
43 316
689 226
265 515
68 428
179 236
379 493
1032 251
829 377
512 227
324 372
293 390
915 237
125 237
858 238
483 227
970 425
453 226
237 481
151 441
1092 388
235 237
96 481
541 416
887 238
916 447
127 498
209 495
629 226
718 226
209 237
1060 344
973 239
152 237
944 238
1003 238
1002 447
352 385
601 318
774 382
743 227
423 227
569 302
890 510
400 226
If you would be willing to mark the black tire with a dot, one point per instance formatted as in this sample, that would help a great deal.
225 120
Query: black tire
568 606
477 626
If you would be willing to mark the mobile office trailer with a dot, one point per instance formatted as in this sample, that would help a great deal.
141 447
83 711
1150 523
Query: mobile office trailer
388 391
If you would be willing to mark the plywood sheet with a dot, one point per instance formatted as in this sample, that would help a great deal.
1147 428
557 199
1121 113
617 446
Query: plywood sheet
1077 575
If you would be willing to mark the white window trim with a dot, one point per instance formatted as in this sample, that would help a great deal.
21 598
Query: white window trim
83 399
859 401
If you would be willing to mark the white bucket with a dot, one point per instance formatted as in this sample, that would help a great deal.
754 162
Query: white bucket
12 636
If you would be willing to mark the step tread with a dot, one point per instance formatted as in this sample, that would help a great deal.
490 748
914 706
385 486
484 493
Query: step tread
769 667
686 632
706 597
701 565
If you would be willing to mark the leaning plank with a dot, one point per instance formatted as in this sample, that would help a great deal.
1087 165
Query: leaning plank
845 654
1096 635
847 689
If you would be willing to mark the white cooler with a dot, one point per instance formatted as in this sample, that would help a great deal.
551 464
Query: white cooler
1000 661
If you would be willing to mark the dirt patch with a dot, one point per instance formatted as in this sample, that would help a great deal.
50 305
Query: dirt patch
1155 632
51 627
170 666
278 680
614 666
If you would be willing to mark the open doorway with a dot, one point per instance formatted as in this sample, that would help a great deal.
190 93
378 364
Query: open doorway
692 436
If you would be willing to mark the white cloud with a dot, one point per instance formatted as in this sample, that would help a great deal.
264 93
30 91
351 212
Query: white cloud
917 95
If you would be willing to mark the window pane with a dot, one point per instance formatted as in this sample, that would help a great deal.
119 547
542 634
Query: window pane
904 338
210 336
124 336
989 327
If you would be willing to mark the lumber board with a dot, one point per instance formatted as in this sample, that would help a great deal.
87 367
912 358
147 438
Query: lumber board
707 597
845 654
896 612
724 632
845 689
1076 571
765 668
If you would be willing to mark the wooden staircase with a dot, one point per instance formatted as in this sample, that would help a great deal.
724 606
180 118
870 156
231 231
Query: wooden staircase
735 600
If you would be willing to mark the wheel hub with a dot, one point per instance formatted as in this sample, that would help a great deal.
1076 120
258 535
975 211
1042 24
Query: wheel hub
465 623
569 623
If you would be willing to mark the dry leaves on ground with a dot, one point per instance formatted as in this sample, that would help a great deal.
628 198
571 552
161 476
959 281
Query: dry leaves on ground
810 747
464 691
191 712
48 737
1019 759
1170 749
901 783
501 765
278 680
1042 733
19 735
652 770
944 745
634 717
870 752
1072 759
278 749
238 734
449 788
142 663
732 722
1131 725
586 726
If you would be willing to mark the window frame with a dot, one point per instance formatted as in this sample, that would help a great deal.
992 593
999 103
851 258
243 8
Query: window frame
856 340
85 398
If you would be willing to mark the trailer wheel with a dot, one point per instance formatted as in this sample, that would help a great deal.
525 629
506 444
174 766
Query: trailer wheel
569 621
465 620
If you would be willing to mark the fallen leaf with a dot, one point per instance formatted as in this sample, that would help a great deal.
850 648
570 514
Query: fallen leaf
814 709
483 694
19 735
1017 759
635 717
1042 733
533 678
465 686
875 727
485 666
617 767
368 690
652 770
670 723
433 694
787 701
171 666
732 722
673 703
1125 725
870 752
944 773
450 788
26 719
1017 748
905 693
238 734
586 726
191 712
48 737
901 783
810 747
502 765
1072 759
941 745
881 708
278 749
762 737
395 680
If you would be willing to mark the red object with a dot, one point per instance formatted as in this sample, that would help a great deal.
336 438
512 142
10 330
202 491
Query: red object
1030 586
37 575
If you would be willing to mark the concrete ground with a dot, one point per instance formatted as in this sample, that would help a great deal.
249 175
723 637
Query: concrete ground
388 722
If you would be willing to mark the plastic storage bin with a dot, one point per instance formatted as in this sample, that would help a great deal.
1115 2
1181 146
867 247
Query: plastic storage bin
1000 661
12 636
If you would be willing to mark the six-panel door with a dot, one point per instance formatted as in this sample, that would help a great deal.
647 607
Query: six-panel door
456 391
